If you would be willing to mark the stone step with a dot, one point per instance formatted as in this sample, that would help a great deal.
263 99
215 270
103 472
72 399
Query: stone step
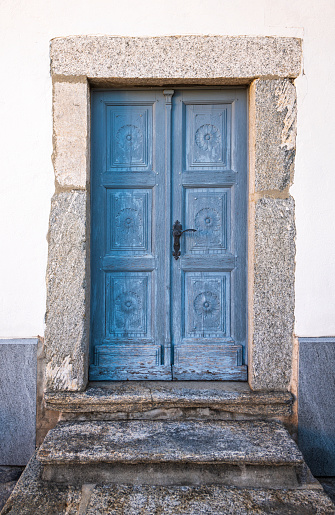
33 496
239 453
125 400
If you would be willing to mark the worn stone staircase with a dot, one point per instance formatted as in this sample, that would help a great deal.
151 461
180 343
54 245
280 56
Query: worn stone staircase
181 466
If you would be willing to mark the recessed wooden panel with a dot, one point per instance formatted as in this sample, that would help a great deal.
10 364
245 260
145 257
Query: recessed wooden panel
209 362
207 136
208 211
124 362
208 355
207 305
129 137
128 305
129 221
122 355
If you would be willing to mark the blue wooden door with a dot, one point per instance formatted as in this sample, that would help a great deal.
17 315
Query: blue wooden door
157 157
209 195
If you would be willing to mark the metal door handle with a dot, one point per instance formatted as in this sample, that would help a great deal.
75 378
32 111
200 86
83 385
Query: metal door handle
177 231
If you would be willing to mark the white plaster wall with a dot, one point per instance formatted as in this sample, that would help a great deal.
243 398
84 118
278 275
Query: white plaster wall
26 27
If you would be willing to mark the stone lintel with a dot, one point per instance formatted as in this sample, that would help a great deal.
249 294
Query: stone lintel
136 396
176 57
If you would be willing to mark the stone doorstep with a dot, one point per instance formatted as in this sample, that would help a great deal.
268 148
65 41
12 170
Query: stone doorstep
243 453
143 396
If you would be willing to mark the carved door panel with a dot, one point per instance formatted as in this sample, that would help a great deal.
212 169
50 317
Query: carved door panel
155 161
209 195
128 309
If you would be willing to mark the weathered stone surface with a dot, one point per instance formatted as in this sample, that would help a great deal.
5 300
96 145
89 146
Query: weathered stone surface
18 400
174 57
148 399
274 122
66 335
316 430
273 294
70 133
32 496
256 442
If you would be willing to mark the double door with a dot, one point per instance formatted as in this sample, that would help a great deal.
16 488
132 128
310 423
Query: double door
168 234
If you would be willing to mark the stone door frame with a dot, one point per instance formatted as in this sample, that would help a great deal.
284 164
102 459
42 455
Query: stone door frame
267 66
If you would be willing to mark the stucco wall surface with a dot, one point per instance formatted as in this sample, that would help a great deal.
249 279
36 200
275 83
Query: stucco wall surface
26 133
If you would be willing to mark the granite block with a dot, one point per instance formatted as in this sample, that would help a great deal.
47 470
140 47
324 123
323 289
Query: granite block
18 362
316 426
70 134
274 120
173 57
273 294
66 334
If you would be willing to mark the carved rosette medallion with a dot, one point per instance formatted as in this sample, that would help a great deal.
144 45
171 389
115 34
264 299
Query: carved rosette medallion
207 310
128 307
129 224
207 219
129 138
128 219
208 137
208 224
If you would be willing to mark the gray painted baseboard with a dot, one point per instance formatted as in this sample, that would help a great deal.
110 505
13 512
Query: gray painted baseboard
18 366
316 427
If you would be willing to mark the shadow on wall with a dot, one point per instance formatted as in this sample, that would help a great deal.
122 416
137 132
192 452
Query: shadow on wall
318 449
18 366
316 427
24 421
